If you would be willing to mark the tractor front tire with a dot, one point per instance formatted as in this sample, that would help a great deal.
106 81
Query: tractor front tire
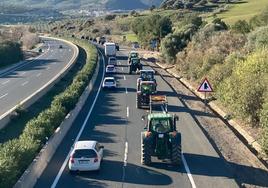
176 150
146 148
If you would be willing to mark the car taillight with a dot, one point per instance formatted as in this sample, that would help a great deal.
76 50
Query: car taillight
96 160
147 134
72 159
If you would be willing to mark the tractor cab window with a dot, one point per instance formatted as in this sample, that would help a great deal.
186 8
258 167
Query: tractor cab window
147 76
160 125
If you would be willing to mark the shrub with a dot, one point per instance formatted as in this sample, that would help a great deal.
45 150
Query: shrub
241 26
258 38
110 17
264 124
10 52
244 90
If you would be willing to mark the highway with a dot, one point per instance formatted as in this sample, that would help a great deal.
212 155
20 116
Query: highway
111 118
20 82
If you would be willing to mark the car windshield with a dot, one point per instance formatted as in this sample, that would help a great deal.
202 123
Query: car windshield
109 80
160 125
132 55
85 153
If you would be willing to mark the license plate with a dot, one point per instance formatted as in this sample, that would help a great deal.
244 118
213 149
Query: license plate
161 136
84 162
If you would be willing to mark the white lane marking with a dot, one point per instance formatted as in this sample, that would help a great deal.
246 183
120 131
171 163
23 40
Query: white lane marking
70 50
126 91
188 171
80 132
124 77
3 95
5 82
185 165
122 68
127 111
119 63
39 74
23 73
126 153
48 68
24 83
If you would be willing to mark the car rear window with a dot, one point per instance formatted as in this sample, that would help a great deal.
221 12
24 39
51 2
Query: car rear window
109 80
86 153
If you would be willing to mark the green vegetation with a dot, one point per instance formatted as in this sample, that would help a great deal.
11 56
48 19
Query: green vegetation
18 153
243 10
10 52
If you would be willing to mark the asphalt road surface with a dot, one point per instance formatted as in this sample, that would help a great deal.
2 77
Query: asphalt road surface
19 83
114 121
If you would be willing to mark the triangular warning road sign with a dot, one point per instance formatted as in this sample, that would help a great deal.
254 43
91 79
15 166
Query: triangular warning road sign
205 86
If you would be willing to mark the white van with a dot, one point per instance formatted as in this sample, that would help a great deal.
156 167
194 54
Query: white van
110 49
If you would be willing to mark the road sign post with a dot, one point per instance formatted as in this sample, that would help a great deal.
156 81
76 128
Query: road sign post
205 87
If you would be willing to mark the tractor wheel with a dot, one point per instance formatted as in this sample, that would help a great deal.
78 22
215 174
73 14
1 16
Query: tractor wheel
138 103
130 70
145 153
176 150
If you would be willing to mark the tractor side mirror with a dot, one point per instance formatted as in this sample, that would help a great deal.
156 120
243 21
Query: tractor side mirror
176 118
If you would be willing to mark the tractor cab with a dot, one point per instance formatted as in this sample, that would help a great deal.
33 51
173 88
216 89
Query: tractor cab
144 90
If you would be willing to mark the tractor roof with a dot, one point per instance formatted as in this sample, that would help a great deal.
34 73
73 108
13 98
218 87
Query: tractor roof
147 82
159 116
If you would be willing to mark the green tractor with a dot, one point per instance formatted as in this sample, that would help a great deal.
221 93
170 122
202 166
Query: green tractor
160 138
132 54
134 65
144 90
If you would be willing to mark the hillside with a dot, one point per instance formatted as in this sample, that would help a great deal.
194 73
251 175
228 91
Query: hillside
82 4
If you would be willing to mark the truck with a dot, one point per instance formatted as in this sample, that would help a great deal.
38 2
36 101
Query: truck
110 49
160 137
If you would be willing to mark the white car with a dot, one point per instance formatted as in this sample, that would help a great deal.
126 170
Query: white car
110 69
112 61
86 156
109 82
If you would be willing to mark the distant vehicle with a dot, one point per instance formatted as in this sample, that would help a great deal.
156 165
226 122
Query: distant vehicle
94 40
117 46
102 40
109 83
110 69
110 49
82 37
40 50
132 54
60 46
86 156
135 65
112 61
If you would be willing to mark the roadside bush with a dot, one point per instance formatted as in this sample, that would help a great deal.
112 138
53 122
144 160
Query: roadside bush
110 17
206 51
259 20
245 89
258 38
264 124
241 26
17 154
10 52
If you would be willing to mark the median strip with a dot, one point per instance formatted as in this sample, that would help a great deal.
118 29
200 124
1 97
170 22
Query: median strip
24 148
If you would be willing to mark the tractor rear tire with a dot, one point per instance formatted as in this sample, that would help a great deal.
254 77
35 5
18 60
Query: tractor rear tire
138 103
145 152
176 151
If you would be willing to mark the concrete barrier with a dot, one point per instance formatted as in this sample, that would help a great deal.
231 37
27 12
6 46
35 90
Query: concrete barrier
5 118
34 171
